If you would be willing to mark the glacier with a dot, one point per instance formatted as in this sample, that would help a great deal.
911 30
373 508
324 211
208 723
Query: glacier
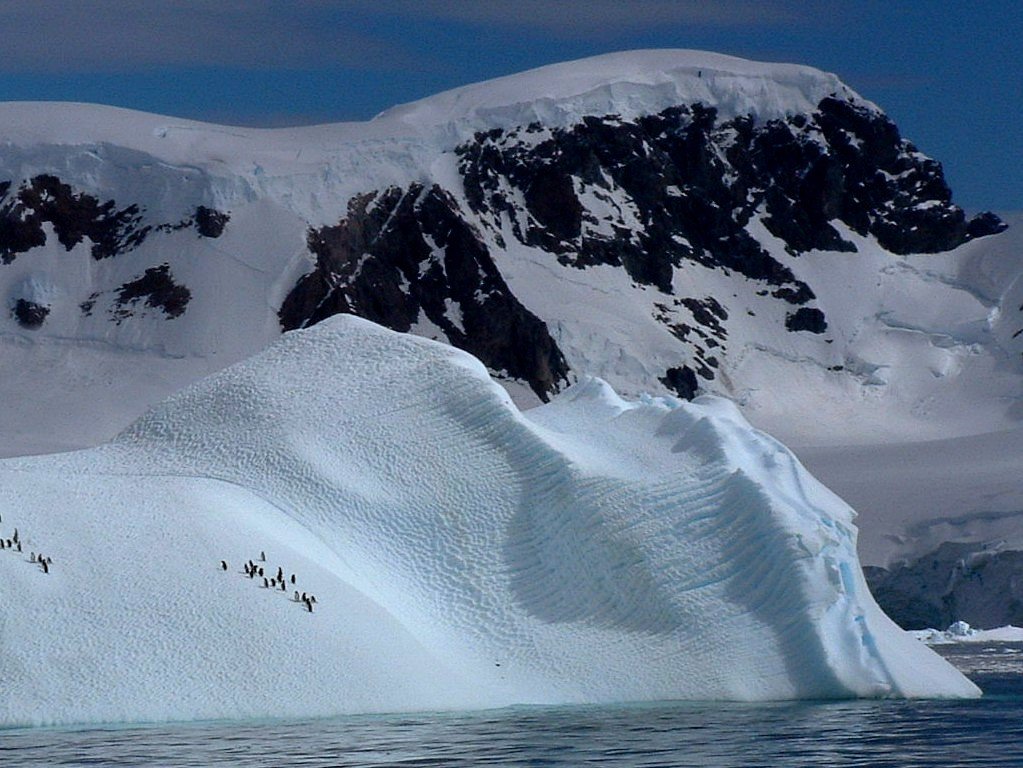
463 554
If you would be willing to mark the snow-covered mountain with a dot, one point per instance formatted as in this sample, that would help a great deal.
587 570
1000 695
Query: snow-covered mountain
673 222
461 553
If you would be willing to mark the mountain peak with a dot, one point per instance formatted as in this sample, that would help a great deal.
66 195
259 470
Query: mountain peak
630 84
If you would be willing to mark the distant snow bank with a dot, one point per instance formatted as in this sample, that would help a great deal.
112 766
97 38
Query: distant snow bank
961 632
462 554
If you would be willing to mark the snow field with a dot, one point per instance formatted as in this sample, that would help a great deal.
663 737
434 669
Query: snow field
463 554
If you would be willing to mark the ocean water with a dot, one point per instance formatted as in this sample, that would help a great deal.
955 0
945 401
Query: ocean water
985 732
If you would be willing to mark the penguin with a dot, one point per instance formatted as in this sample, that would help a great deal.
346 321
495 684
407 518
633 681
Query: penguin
49 560
273 582
33 558
312 598
304 598
223 565
309 605
15 534
262 556
261 571
10 544
284 587
2 544
292 578
19 546
266 584
296 597
280 573
46 568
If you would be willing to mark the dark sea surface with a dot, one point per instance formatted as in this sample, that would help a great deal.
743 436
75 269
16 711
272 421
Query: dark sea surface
984 732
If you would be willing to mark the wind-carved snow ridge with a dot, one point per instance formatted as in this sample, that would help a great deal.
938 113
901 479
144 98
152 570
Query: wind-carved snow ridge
629 84
463 554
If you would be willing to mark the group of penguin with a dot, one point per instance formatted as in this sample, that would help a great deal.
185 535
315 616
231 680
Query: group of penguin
254 570
14 544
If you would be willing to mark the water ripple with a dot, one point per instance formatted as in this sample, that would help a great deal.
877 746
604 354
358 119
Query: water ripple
987 732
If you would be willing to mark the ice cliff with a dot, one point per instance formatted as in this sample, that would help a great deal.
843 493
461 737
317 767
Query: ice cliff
462 554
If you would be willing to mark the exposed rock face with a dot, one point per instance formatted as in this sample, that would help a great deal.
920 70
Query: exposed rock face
210 222
886 187
404 254
646 195
682 381
670 192
956 582
112 231
156 289
30 314
806 319
683 186
73 216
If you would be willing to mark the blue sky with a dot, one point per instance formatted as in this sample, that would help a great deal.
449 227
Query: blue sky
949 73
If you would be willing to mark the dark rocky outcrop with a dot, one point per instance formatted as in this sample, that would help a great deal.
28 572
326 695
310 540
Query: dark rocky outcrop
73 216
207 222
29 314
806 319
156 289
956 582
691 184
653 194
984 224
646 195
682 381
649 196
210 222
405 253
887 187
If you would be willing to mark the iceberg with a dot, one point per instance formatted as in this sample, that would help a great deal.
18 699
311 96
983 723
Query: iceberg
462 554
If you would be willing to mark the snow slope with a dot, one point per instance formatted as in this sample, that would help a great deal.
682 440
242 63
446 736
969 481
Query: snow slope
462 554
947 468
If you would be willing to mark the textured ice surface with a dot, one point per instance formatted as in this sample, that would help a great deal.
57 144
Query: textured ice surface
462 554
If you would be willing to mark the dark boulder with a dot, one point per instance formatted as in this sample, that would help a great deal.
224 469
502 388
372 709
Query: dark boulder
30 314
682 381
210 222
806 319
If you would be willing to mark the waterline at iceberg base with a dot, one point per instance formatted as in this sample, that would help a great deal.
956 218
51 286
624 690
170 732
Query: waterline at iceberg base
462 554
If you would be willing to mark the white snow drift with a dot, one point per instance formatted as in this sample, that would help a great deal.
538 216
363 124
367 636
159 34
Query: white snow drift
462 554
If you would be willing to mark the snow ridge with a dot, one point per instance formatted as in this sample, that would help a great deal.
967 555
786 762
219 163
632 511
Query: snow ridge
630 84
